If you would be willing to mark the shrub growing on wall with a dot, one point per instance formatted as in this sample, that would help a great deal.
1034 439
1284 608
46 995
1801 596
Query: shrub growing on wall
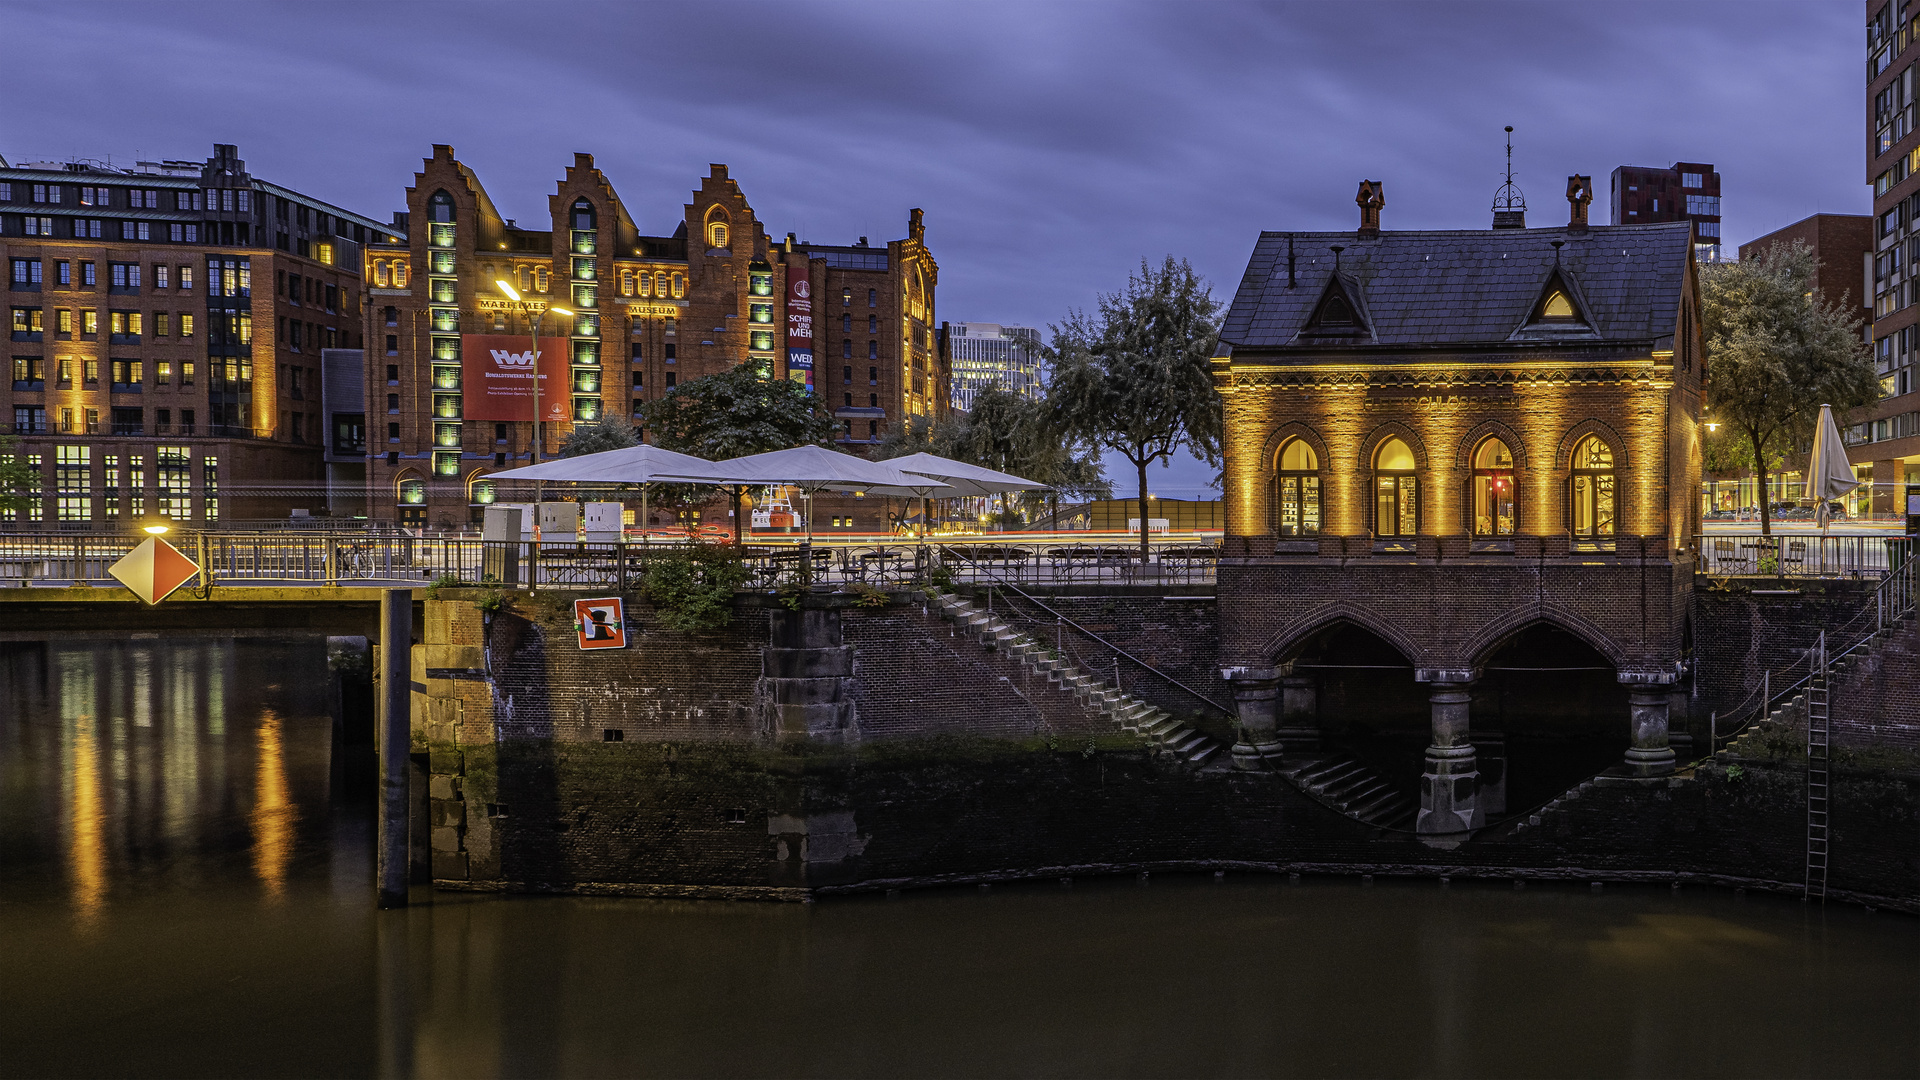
692 587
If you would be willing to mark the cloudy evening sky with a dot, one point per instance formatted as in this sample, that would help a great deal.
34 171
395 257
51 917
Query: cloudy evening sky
1052 145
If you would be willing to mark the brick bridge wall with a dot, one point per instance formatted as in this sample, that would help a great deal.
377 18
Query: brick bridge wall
967 770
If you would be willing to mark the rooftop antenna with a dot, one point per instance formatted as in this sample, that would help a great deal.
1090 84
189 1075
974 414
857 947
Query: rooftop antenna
1509 206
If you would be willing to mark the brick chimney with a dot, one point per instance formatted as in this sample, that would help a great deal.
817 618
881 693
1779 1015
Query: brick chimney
1371 198
1579 195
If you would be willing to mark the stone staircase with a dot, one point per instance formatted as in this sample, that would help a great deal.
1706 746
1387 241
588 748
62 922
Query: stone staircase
1351 787
1153 724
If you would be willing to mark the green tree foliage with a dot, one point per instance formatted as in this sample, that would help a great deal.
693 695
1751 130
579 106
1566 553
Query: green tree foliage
609 433
1134 377
18 483
735 413
691 588
1775 353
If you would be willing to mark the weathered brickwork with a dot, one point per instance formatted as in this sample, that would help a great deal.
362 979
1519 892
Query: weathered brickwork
1746 626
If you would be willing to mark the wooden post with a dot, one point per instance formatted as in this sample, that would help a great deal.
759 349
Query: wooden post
396 729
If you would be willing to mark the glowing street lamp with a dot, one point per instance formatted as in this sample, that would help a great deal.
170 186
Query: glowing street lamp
538 312
155 529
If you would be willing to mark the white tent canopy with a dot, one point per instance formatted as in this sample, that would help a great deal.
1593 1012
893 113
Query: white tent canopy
629 465
815 468
963 478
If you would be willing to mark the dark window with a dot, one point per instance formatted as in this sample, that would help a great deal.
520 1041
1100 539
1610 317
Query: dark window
669 356
128 421
873 376
393 435
393 345
849 401
440 207
583 214
393 403
873 350
846 348
639 380
393 373
349 433
873 401
669 380
873 299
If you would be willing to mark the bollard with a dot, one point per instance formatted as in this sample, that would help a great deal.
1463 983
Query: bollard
396 729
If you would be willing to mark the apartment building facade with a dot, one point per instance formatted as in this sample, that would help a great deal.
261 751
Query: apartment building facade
987 356
1885 447
1684 191
166 324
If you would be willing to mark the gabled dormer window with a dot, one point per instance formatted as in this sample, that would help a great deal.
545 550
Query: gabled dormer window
1557 306
1338 314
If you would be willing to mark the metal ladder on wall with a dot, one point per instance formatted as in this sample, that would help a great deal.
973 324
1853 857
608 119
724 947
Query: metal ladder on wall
1818 779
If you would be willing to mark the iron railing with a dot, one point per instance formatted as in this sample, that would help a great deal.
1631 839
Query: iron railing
1800 555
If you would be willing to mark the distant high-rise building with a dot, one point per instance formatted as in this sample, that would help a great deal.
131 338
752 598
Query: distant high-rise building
986 355
1688 191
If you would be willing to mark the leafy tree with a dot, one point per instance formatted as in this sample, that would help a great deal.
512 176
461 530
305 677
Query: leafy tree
734 413
1010 433
18 483
609 433
691 588
1775 353
1135 378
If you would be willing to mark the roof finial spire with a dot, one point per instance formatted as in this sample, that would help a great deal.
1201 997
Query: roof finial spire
1509 206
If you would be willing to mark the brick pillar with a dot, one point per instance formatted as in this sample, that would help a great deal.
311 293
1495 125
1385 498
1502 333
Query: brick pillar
1299 730
1647 701
1449 788
1889 487
1256 693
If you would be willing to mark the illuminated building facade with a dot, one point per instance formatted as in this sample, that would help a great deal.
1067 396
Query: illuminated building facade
988 356
1456 460
1885 446
648 311
166 325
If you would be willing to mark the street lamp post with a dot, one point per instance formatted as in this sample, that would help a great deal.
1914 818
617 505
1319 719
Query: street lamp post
536 312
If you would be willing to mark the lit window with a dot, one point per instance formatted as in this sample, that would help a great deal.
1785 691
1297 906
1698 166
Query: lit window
1396 491
1298 502
1493 489
1593 488
1557 306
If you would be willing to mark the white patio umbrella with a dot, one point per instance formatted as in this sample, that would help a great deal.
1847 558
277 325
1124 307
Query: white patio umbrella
643 464
816 468
963 478
1829 475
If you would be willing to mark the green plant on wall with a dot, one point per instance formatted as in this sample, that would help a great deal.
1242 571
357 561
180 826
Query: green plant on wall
692 587
869 596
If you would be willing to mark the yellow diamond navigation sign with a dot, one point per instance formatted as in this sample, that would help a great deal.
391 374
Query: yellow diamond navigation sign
153 570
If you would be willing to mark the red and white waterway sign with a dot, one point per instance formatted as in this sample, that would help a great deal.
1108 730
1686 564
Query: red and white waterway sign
153 570
601 624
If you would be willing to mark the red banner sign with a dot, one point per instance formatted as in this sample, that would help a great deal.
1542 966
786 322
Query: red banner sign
496 375
799 308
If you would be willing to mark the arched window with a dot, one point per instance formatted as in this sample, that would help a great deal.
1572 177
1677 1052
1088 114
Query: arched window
679 286
480 492
1396 492
1592 488
660 284
1493 508
412 492
583 215
626 283
1336 313
1297 492
399 274
1557 306
717 234
525 274
380 273
440 207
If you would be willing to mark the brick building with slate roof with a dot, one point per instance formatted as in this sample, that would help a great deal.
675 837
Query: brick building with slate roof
1460 476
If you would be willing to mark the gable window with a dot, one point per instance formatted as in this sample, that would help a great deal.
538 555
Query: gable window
1493 504
1297 501
1557 306
1396 491
1593 489
440 207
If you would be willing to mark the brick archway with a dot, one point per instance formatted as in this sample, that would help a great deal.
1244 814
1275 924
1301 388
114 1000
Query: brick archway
1563 454
1289 638
1492 636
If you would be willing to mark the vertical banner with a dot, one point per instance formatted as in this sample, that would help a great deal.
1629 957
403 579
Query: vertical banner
496 376
601 624
799 326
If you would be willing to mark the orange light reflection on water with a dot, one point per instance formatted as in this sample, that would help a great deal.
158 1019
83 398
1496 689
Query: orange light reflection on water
86 816
274 813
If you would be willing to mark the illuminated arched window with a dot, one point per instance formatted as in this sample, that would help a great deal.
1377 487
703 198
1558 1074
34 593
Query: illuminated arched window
626 283
1593 488
660 284
1493 506
717 234
1396 491
679 286
480 491
400 271
525 274
440 207
539 279
412 492
1297 490
1557 306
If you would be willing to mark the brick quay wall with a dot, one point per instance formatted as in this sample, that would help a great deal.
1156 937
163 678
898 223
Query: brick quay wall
672 767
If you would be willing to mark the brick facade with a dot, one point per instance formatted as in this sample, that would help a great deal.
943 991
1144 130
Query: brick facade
651 311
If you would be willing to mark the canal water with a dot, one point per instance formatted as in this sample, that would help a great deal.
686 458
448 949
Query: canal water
185 889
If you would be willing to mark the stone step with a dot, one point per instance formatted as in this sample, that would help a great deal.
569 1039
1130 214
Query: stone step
1189 744
1200 756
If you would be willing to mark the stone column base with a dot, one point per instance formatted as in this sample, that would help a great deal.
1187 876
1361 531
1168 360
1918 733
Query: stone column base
1449 792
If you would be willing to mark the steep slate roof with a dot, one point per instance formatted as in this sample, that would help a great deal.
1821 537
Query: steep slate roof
1461 287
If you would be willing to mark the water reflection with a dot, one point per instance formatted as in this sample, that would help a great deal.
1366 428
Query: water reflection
193 895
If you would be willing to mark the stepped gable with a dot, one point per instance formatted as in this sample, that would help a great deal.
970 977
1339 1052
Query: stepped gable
1460 287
